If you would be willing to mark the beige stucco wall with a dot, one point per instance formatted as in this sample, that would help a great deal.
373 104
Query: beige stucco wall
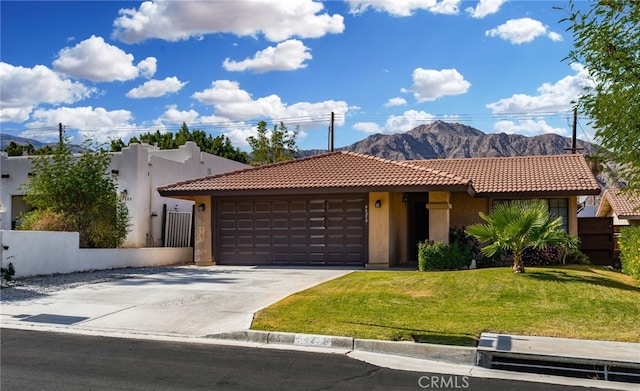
439 215
465 209
203 240
387 230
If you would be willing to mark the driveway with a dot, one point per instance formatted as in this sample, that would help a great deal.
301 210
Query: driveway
184 301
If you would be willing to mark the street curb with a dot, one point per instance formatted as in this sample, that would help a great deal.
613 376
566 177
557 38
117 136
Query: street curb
444 353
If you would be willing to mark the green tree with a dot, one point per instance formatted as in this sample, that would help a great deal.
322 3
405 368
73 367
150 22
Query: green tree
75 193
606 39
219 145
275 146
14 149
517 225
116 145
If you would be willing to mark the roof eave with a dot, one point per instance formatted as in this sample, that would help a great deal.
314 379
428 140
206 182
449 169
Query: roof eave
537 194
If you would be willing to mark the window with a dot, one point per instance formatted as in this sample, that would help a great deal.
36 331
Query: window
557 207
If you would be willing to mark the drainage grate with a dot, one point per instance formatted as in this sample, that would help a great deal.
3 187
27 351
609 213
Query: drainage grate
594 371
54 319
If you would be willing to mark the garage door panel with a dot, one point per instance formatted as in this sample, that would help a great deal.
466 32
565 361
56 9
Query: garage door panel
317 230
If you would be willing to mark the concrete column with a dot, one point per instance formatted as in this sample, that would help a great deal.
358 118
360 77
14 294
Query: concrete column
379 220
203 255
572 211
439 216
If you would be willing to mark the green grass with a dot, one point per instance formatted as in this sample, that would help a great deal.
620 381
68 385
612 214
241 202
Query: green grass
455 307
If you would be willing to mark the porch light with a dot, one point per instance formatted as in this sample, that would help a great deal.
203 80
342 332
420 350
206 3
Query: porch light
201 207
378 203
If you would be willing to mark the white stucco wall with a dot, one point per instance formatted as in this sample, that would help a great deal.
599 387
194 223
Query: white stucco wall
141 170
37 253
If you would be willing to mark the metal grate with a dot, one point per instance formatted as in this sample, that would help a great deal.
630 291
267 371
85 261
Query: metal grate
178 229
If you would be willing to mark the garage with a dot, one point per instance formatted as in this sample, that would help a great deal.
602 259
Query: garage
329 230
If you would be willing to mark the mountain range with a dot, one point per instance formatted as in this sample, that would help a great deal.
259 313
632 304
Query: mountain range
453 140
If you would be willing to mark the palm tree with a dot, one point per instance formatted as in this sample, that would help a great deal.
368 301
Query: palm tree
517 225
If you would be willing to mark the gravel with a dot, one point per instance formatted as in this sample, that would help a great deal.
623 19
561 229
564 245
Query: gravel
26 288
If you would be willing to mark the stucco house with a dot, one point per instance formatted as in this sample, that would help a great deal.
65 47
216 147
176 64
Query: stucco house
345 208
138 170
624 207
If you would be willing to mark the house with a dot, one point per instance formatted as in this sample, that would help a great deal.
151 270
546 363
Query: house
345 208
138 170
623 207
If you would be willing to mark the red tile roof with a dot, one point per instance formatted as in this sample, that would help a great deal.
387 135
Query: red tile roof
533 175
625 205
567 174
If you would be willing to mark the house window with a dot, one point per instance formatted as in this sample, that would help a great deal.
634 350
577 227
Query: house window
557 207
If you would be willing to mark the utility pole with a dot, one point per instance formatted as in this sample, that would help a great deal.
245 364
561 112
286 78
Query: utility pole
333 117
60 138
574 137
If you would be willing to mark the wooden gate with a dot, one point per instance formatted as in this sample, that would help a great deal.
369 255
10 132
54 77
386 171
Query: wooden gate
596 239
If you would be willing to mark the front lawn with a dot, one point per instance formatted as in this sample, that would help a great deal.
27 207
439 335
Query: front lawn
455 307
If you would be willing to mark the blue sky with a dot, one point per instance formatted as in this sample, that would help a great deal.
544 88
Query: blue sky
117 69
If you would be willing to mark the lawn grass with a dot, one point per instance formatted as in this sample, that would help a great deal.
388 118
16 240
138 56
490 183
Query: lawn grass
454 307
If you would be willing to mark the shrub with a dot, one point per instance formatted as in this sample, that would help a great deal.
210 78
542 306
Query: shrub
629 244
472 248
439 256
546 256
8 273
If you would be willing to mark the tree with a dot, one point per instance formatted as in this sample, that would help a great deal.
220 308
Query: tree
219 145
517 225
14 149
272 147
607 42
71 193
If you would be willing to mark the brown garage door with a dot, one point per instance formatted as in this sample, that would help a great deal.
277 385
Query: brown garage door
305 230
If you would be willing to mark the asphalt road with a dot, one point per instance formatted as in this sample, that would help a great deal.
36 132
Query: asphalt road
31 360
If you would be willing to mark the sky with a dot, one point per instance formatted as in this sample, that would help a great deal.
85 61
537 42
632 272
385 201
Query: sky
117 69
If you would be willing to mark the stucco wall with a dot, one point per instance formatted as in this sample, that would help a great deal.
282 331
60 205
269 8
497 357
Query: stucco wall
36 253
465 209
388 236
141 169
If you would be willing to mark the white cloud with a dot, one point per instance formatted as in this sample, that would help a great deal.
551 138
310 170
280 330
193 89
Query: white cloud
96 60
96 123
286 56
25 88
178 20
156 88
406 7
551 97
518 31
148 66
230 101
176 116
397 101
431 84
397 123
528 126
484 8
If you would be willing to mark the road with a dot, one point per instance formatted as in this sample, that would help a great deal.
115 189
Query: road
33 360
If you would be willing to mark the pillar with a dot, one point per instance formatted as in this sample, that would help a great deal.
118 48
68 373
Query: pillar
439 216
203 255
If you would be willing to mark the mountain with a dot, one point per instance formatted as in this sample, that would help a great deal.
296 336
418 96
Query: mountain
6 139
452 140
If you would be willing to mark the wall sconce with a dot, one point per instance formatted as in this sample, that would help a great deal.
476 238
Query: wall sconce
124 194
378 203
201 207
115 172
404 200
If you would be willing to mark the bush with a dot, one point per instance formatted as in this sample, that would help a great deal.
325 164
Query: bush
472 248
440 256
8 273
629 244
546 256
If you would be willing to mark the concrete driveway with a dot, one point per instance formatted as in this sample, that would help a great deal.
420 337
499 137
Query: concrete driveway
183 301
